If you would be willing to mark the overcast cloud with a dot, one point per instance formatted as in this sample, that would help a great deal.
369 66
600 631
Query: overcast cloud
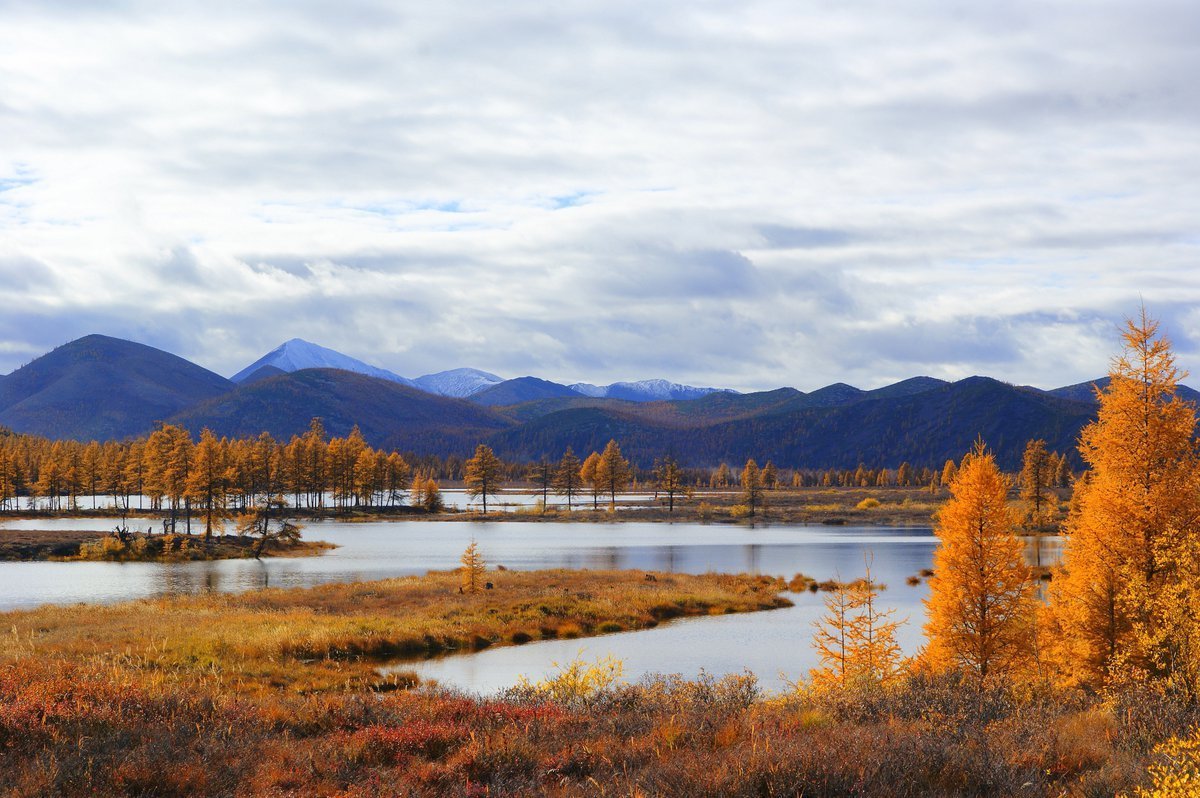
746 194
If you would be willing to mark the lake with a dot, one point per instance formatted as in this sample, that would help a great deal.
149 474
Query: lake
774 645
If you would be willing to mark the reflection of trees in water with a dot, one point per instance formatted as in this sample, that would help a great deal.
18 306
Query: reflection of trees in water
753 553
604 558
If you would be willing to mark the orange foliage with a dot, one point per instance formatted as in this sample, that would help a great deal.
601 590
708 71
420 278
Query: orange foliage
1124 603
981 603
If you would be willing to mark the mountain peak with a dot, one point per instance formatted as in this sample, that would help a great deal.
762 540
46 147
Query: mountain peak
296 354
458 383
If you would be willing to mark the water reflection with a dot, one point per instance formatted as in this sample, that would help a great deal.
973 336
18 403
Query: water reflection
775 645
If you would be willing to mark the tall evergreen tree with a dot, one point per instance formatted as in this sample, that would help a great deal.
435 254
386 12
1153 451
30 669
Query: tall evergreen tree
567 479
482 474
981 597
1125 604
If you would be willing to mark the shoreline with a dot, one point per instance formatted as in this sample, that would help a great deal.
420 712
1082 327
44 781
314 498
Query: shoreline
44 545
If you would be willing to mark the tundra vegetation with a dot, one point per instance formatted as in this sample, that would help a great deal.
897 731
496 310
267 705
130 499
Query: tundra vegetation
1093 691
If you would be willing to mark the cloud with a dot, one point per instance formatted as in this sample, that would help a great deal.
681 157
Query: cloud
750 194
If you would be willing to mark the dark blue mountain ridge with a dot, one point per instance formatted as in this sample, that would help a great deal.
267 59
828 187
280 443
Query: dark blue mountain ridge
389 415
103 388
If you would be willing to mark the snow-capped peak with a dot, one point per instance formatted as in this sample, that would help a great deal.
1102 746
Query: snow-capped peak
298 354
645 390
587 389
457 383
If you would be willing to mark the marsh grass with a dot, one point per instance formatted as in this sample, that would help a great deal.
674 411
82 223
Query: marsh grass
333 637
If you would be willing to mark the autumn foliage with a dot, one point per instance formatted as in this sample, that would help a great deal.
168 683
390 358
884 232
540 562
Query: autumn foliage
981 603
1125 603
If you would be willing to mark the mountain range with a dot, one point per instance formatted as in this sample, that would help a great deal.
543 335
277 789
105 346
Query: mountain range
298 354
106 388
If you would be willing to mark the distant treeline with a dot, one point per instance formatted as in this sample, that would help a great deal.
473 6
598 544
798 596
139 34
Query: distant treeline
169 470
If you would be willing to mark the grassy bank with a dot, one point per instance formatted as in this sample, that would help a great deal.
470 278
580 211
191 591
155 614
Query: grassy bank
276 693
332 637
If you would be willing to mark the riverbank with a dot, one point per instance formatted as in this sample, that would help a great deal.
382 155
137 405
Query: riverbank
28 545
833 506
333 637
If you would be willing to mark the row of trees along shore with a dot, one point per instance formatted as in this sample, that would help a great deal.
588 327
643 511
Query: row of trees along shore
174 471
1123 607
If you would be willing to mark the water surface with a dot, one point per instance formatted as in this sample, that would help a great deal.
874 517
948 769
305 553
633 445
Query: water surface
775 645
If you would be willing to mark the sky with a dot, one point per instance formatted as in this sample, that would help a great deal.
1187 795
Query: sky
740 194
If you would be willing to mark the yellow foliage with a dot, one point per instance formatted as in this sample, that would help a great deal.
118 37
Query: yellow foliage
855 640
869 503
579 679
473 568
1124 603
1178 775
981 603
739 511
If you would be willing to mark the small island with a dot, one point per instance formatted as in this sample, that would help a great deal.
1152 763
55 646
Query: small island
125 546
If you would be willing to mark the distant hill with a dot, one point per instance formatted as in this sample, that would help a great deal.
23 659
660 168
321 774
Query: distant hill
1086 391
103 388
924 428
644 391
388 414
458 383
298 354
522 389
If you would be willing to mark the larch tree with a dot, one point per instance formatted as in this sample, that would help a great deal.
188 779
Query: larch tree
770 476
752 486
589 473
481 473
473 569
613 472
875 654
668 479
206 484
1125 604
856 639
831 639
541 474
1038 474
948 472
981 604
567 479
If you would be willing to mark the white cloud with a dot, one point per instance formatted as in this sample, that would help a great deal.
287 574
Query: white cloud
748 194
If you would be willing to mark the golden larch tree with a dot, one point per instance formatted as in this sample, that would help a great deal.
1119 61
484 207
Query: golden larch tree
1039 470
567 481
588 473
473 569
1124 605
856 639
981 603
752 486
612 473
482 473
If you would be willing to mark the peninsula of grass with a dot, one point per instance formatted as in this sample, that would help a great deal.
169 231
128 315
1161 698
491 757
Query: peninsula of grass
93 545
334 637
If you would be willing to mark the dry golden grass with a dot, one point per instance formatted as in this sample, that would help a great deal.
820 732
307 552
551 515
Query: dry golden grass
333 636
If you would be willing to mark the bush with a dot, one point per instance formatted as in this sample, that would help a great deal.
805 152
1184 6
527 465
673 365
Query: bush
868 503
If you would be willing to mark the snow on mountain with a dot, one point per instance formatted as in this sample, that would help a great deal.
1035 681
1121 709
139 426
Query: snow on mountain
298 354
587 389
645 390
458 383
